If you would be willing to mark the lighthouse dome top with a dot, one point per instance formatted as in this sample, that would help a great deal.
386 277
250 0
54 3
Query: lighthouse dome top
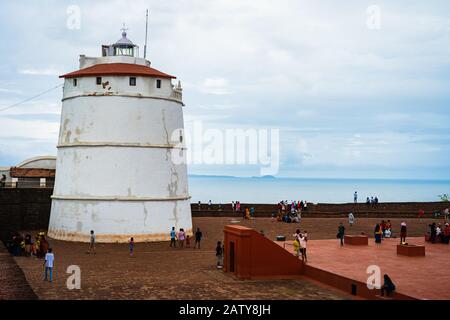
124 41
123 47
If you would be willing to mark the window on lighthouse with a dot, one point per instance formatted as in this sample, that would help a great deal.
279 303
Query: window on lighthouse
132 81
158 83
74 82
98 80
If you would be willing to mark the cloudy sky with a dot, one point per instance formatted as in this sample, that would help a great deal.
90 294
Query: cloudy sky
352 96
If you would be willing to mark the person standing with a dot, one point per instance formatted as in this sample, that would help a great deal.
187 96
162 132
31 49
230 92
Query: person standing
92 242
446 214
233 206
432 232
403 232
131 246
351 219
341 232
28 244
378 233
355 197
199 206
209 205
48 264
219 254
181 238
198 238
173 237
302 239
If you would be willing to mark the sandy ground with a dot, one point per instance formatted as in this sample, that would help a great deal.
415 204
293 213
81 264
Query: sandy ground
156 271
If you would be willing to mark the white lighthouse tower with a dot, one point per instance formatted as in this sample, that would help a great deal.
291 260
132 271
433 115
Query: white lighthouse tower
114 171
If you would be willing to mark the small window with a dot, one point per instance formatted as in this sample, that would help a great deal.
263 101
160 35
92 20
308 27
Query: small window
99 80
74 82
132 81
158 83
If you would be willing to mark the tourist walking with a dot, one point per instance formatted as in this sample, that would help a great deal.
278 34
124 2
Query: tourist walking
219 254
173 237
340 234
92 242
131 246
198 238
181 238
351 219
403 232
48 264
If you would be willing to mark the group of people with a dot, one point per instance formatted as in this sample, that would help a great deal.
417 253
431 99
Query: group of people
384 230
290 212
369 200
439 233
184 239
26 245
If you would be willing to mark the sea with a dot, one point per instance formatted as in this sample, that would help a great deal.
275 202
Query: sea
224 189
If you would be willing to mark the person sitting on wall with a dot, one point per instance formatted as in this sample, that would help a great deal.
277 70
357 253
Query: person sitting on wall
296 219
388 286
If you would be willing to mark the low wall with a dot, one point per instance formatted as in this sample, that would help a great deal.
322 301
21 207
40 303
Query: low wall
400 209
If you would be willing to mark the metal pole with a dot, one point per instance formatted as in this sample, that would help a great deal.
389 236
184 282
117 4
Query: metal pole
146 29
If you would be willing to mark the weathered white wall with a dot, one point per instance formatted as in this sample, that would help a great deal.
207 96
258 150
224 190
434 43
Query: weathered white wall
114 173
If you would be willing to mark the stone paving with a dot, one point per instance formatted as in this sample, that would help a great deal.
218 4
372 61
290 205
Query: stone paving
13 284
156 271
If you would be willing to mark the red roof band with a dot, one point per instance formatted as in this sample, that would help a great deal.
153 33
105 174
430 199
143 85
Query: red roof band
117 69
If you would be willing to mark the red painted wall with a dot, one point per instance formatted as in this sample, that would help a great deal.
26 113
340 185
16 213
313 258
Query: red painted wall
258 257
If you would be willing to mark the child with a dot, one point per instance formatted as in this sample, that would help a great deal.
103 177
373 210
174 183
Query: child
181 238
131 246
188 242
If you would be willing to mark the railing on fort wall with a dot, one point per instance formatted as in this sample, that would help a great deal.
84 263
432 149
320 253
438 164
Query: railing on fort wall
27 184
177 95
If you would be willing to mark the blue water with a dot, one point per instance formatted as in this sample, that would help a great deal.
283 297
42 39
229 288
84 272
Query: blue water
271 190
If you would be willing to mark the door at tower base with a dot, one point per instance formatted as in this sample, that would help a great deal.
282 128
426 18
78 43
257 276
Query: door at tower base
118 221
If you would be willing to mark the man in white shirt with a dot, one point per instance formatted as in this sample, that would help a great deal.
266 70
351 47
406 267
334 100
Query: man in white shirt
48 263
303 240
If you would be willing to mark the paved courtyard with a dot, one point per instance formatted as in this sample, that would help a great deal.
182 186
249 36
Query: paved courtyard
159 272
